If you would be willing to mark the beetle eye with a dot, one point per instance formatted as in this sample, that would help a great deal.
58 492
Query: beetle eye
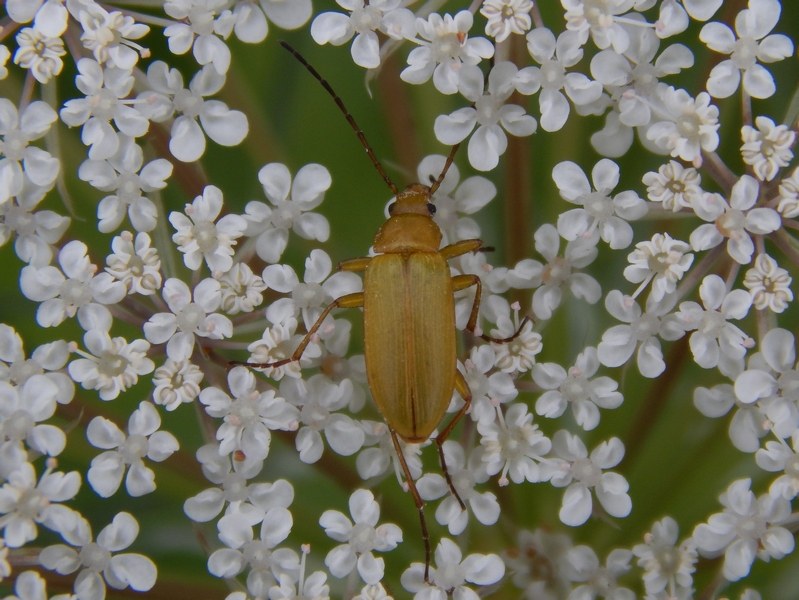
431 208
391 208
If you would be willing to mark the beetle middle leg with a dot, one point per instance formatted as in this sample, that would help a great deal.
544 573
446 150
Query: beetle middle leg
461 282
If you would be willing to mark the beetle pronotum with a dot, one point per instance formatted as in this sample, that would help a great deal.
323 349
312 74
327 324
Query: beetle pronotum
409 317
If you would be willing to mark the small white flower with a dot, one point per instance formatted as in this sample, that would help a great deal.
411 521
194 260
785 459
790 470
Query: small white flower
769 284
599 213
490 115
201 25
48 16
29 585
662 261
39 52
674 186
748 528
167 96
106 90
48 359
249 416
111 365
537 564
291 203
768 148
753 44
666 565
108 35
689 128
451 573
780 456
514 446
551 78
443 50
176 382
575 388
135 263
599 18
100 562
789 196
241 289
23 408
26 502
252 18
583 567
127 452
504 17
489 388
277 343
388 17
201 237
736 221
314 586
123 175
360 538
189 317
749 422
18 159
583 473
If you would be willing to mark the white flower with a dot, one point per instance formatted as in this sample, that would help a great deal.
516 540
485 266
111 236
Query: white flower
769 381
29 585
504 17
364 21
202 25
108 35
106 90
598 17
582 566
167 96
555 57
715 341
251 23
200 237
489 388
135 263
34 233
599 213
26 502
443 50
662 261
48 359
23 408
100 562
123 175
48 16
249 416
188 317
241 289
748 424
318 398
490 114
291 203
673 18
277 343
769 284
768 148
451 573
674 186
789 196
176 382
464 478
736 221
689 127
666 565
641 331
76 290
753 44
583 473
143 440
537 563
748 528
39 52
575 388
301 587
111 365
18 159
360 538
514 446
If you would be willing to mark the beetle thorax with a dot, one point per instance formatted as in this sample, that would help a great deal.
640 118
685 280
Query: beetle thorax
411 227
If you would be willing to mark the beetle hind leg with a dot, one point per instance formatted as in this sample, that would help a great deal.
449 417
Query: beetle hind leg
463 389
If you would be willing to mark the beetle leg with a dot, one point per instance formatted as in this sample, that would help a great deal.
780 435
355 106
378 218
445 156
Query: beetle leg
461 282
463 389
348 301
417 500
459 248
355 264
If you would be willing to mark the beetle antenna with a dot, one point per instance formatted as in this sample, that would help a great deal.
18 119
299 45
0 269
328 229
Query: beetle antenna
447 165
350 119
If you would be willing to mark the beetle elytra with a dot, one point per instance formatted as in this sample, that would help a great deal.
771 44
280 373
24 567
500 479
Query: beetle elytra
409 318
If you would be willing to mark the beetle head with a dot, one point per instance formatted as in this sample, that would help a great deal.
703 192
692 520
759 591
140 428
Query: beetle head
410 226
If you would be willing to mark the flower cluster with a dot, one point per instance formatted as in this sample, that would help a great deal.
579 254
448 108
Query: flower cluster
158 254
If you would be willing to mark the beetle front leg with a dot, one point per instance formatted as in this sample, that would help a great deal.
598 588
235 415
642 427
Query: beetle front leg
461 282
459 248
355 264
417 500
348 301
